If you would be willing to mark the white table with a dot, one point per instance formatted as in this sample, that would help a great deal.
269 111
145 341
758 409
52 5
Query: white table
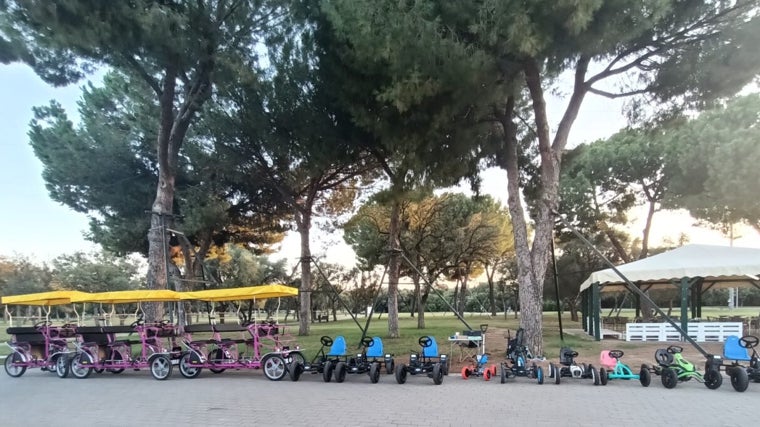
463 343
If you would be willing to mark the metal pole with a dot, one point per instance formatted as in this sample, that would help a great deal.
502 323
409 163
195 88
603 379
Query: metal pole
556 292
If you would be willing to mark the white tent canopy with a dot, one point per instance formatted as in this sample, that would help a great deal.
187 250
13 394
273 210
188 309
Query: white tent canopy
719 264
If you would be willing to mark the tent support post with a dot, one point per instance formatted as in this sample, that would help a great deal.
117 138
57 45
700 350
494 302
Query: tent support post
596 313
685 303
584 310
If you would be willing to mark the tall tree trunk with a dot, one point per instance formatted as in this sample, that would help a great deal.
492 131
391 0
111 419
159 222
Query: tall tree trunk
462 300
303 222
421 307
394 266
491 293
158 243
416 296
647 228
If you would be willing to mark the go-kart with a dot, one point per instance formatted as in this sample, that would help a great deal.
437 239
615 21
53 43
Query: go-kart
517 360
479 368
568 368
736 350
426 362
369 361
613 369
673 368
324 362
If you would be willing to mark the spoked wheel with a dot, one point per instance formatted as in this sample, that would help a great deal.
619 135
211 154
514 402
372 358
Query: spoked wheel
340 372
374 373
12 367
295 369
327 372
61 362
186 368
161 367
594 375
401 373
80 365
437 374
669 378
739 379
274 367
603 376
216 355
645 377
116 357
713 379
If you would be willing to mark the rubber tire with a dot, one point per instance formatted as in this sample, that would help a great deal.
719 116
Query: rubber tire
557 376
116 356
645 377
213 356
374 373
603 378
713 379
295 356
401 373
161 367
739 379
76 368
551 370
14 371
445 367
487 375
185 369
61 363
466 372
539 375
295 369
327 371
594 375
274 367
437 374
669 378
389 367
503 374
340 372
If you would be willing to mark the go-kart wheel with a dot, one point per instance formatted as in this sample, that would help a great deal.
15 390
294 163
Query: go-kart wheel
594 375
437 374
61 362
645 377
295 356
533 371
425 341
216 355
739 379
401 373
295 369
585 371
374 373
340 372
748 341
603 376
326 341
389 366
669 378
12 367
445 367
79 365
274 367
551 370
186 368
540 375
327 371
493 370
487 375
557 376
713 379
466 372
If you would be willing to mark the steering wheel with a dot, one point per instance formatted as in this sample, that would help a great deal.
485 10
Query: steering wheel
326 341
673 349
368 342
748 341
616 354
41 323
136 323
425 341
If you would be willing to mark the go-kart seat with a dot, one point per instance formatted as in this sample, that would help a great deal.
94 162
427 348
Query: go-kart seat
567 356
431 350
338 348
732 350
606 360
376 349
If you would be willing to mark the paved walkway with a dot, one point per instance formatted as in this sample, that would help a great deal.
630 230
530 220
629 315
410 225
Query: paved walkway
248 398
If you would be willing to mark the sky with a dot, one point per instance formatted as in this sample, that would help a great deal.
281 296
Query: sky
34 226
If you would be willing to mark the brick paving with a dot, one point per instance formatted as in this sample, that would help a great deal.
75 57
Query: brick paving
248 398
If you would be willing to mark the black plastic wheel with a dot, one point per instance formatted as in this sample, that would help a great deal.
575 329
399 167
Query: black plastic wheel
603 376
401 373
669 378
551 370
389 365
503 373
340 372
437 374
739 379
595 376
374 373
713 379
645 377
327 371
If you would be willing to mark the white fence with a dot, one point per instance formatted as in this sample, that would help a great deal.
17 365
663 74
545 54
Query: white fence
700 332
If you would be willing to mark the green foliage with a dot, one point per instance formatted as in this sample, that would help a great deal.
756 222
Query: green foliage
22 276
97 272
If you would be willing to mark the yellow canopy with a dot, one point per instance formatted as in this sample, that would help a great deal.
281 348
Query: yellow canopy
43 298
123 297
246 293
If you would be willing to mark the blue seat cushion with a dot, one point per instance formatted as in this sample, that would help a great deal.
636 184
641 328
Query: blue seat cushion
376 350
338 347
732 350
432 350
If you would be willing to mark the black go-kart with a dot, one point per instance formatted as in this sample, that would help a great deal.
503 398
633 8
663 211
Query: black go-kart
568 368
516 364
737 350
369 361
426 362
324 362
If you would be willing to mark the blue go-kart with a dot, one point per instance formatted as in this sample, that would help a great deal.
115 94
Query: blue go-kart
736 350
427 362
517 361
613 369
